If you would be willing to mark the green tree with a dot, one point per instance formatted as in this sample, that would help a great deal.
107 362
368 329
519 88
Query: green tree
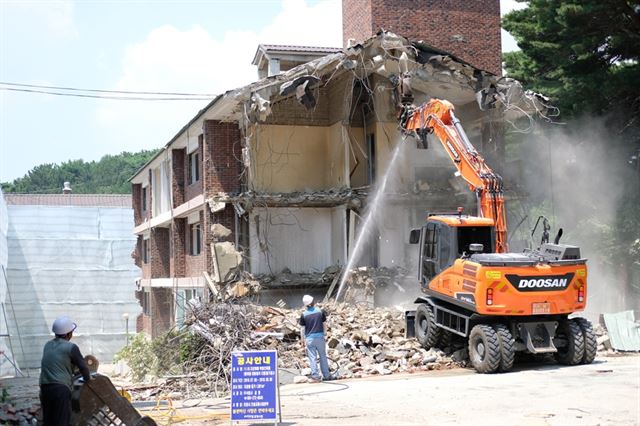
582 53
110 175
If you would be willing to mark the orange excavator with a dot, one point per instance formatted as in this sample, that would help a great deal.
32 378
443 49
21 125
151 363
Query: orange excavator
500 302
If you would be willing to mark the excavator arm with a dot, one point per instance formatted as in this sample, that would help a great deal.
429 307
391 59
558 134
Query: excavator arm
437 116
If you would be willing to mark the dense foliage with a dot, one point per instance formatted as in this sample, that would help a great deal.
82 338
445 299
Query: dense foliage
582 53
108 176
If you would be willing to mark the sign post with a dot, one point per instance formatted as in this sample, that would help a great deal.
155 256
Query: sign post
254 386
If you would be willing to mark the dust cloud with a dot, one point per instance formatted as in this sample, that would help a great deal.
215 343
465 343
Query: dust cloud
578 176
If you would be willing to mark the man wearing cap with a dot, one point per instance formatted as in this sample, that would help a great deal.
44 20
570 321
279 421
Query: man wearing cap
56 373
312 321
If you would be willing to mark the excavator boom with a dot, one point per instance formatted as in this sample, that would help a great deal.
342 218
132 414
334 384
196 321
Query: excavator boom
437 116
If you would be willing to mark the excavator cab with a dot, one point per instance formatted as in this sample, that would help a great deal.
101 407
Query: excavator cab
447 237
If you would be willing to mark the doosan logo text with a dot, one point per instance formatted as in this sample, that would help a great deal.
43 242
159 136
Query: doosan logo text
540 282
543 283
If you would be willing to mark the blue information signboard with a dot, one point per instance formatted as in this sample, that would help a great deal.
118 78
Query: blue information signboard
254 385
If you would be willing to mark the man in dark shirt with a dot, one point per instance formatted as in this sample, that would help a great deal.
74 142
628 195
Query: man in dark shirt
312 321
56 373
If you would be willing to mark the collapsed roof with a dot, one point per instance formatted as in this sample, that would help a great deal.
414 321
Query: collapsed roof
432 72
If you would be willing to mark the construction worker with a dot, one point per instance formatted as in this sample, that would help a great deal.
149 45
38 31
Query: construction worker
312 321
56 373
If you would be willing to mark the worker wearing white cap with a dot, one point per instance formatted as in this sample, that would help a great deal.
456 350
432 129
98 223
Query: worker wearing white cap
313 321
56 373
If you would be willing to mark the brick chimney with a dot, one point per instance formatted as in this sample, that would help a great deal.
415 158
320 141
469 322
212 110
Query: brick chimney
469 29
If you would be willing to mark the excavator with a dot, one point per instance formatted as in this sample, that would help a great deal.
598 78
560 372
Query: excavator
472 287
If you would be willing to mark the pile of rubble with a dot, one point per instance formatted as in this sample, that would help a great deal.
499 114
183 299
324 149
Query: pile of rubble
19 401
17 415
361 341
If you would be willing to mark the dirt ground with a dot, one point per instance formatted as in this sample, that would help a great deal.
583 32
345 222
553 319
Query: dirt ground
606 392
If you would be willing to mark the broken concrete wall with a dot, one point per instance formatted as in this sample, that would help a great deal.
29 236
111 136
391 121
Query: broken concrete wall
298 239
289 158
336 175
299 158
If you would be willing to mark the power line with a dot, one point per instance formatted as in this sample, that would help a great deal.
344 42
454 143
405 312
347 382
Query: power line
122 98
75 89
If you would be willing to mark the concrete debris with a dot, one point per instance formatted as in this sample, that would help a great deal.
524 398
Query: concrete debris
328 198
376 286
301 86
361 341
19 402
226 260
219 231
260 108
288 279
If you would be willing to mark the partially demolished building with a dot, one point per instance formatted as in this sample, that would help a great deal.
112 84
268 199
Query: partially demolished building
273 178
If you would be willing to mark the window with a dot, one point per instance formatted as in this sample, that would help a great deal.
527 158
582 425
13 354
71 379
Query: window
195 240
194 167
145 250
468 235
429 252
144 199
146 304
371 151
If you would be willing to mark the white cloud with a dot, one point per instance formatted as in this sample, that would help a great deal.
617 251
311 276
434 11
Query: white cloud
508 42
507 6
173 60
55 15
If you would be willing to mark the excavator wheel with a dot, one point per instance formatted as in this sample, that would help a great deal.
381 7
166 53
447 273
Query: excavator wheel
572 352
484 349
427 332
590 341
445 340
507 347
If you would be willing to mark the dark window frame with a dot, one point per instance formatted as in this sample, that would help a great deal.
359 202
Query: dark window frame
194 167
195 239
145 250
143 201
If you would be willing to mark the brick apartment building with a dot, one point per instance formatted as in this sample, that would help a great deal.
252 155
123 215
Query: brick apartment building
286 163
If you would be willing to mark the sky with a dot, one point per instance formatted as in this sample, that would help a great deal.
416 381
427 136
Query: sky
190 46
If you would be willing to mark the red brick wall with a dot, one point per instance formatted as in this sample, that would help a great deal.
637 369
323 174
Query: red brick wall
194 189
222 158
136 201
159 255
356 20
195 265
178 234
162 301
467 29
178 176
146 214
227 218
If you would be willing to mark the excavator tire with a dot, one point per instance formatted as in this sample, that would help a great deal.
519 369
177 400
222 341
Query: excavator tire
573 352
445 340
427 332
484 349
590 341
507 347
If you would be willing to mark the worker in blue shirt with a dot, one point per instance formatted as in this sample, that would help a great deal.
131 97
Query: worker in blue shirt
312 321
